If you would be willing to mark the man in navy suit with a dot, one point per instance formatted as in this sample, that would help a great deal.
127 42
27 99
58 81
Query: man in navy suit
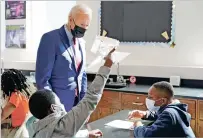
61 58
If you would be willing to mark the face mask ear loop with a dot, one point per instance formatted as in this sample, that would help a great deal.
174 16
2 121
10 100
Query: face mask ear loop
74 22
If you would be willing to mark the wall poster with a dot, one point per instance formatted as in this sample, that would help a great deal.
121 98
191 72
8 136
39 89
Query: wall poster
15 10
15 36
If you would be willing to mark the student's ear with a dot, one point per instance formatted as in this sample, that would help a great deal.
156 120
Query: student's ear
57 108
164 101
53 108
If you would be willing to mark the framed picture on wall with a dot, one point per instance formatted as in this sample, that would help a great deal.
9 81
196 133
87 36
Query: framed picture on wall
15 10
15 36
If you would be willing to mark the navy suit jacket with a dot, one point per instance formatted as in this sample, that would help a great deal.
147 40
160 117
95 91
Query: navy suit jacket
56 68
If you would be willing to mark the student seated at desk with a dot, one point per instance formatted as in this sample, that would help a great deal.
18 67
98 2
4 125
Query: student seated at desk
170 119
54 121
16 92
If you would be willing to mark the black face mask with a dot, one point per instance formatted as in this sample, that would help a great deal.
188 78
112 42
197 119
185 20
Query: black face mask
78 31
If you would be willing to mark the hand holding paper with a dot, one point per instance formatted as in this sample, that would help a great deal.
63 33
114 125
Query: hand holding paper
102 45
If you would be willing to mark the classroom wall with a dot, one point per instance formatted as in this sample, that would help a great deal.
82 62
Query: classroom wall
184 60
42 16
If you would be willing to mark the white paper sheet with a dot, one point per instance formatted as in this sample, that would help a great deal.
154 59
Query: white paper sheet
95 62
103 45
120 56
144 122
120 124
117 58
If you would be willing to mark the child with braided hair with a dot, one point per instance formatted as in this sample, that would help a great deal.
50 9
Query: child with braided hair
16 91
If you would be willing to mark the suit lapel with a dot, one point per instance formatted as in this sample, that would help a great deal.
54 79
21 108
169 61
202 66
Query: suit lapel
67 45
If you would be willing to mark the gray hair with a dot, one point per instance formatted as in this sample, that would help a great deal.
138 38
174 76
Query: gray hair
80 8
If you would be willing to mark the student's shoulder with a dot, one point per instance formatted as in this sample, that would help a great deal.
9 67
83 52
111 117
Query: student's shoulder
169 114
170 111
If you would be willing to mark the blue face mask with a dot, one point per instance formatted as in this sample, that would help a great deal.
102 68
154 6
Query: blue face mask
78 31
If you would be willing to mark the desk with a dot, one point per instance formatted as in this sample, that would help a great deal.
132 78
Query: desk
109 132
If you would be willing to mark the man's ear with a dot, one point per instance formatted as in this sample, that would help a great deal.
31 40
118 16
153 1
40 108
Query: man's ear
70 18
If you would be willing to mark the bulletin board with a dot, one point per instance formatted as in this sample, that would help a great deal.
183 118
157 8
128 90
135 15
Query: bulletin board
138 21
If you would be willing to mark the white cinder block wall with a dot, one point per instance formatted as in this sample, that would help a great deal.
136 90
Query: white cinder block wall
186 59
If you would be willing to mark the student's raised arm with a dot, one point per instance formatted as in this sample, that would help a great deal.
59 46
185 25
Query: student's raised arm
75 118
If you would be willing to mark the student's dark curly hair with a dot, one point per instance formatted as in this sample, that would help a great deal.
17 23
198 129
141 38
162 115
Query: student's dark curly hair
13 80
